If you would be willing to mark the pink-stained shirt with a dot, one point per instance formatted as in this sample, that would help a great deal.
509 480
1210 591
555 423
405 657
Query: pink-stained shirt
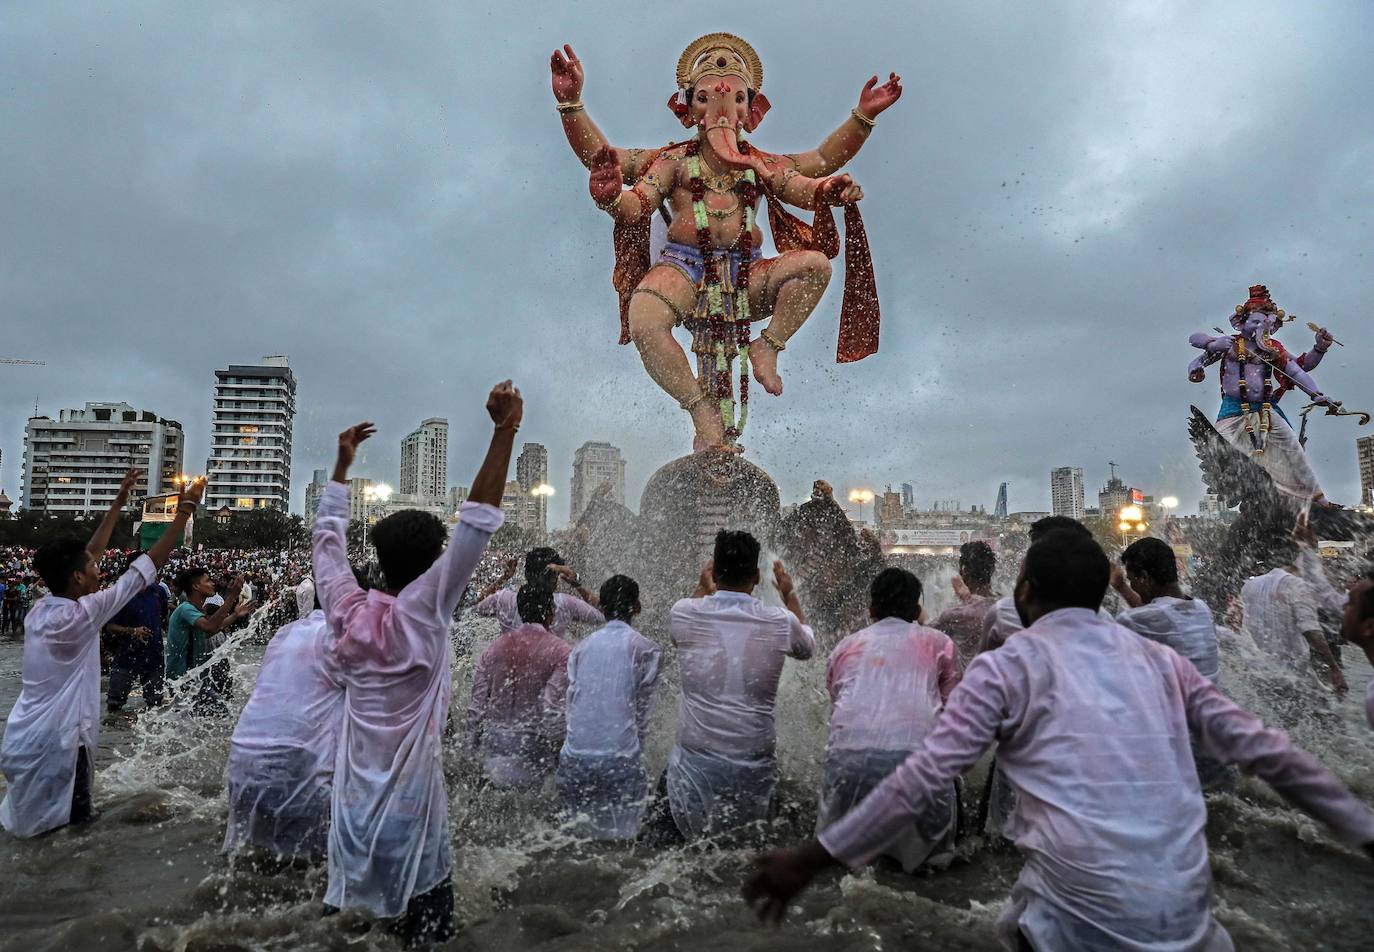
1093 725
388 836
514 715
888 684
731 649
963 622
59 705
568 610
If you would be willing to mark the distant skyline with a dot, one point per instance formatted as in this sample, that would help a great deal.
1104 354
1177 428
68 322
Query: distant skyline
1064 193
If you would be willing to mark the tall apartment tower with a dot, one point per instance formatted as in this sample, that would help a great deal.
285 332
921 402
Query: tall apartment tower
314 492
1066 491
595 464
424 460
73 465
250 436
908 496
1364 449
532 472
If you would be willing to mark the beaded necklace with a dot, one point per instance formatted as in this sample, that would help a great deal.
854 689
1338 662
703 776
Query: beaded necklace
1258 440
723 312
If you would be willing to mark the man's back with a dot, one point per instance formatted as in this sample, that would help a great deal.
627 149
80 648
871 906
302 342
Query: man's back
1279 607
611 678
888 683
731 648
1184 624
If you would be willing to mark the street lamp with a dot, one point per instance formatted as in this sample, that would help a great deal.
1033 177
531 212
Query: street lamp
373 493
543 489
861 496
1131 520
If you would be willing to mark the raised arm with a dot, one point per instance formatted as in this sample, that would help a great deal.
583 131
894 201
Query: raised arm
187 501
1234 735
846 141
441 587
100 540
335 585
228 613
584 136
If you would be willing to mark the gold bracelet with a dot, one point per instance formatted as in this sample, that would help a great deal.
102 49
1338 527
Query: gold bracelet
567 107
609 206
862 119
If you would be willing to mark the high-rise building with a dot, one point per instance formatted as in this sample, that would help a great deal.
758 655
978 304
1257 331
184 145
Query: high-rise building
1066 491
313 494
1364 449
999 509
1210 506
73 465
908 496
250 439
889 508
457 495
595 464
532 473
424 460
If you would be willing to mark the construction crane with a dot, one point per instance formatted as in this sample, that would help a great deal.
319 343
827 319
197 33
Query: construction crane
17 360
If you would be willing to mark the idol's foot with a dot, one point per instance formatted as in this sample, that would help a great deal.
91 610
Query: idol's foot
763 358
709 430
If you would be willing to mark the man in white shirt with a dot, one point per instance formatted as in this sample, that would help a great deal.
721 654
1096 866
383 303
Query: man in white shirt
888 684
281 757
731 649
389 835
1093 724
1281 616
48 751
1357 624
498 602
1159 610
611 679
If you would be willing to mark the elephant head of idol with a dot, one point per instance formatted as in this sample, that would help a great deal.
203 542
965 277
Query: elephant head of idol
1258 318
719 93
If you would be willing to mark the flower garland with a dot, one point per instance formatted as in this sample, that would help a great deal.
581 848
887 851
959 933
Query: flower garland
718 316
1257 442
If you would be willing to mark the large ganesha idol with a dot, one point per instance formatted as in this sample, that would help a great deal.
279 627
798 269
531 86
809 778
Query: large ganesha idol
711 277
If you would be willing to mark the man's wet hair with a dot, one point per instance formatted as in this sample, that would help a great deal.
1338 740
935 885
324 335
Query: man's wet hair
895 593
407 543
1152 558
619 596
1067 569
977 562
537 562
57 560
187 577
736 558
534 601
1043 527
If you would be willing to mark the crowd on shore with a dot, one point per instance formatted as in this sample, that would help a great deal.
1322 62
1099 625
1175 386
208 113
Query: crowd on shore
1107 728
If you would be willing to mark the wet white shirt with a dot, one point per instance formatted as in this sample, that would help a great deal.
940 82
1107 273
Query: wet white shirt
731 649
1002 622
888 683
567 611
1093 729
286 739
1184 624
611 678
59 705
1279 607
389 836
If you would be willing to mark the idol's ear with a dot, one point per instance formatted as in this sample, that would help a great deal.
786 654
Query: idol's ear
677 105
758 108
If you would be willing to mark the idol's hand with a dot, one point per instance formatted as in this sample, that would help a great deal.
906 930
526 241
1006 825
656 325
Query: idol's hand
567 75
838 190
874 98
1324 339
1198 375
606 177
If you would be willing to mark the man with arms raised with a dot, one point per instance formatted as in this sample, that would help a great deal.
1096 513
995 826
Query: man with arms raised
1093 724
389 837
48 752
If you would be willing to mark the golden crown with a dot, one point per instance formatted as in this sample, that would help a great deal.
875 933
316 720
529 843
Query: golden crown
719 54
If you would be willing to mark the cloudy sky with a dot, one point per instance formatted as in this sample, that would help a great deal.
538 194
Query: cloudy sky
383 192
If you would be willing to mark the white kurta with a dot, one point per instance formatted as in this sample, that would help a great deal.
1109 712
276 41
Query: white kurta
1093 724
731 648
59 706
1279 608
389 836
281 757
